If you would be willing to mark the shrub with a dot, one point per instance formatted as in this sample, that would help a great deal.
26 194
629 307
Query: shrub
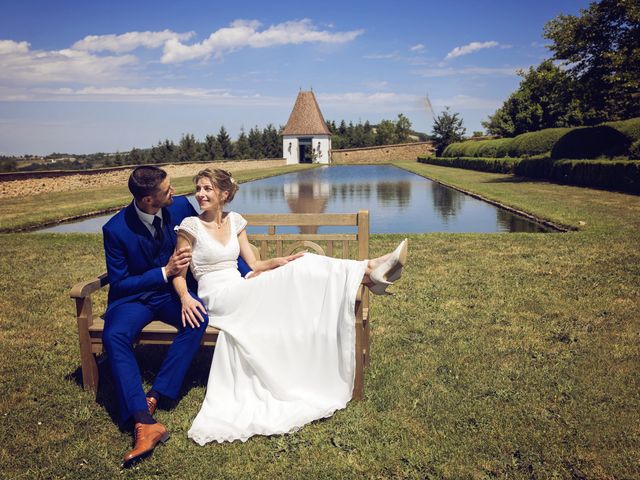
494 165
535 143
591 142
614 175
630 128
489 148
534 167
634 150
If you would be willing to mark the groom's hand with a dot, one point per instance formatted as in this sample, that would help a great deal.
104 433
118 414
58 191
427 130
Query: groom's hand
178 261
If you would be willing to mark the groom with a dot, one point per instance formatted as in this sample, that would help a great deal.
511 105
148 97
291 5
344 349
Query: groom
139 244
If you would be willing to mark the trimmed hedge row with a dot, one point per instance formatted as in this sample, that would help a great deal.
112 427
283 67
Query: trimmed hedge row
612 175
607 140
494 165
608 174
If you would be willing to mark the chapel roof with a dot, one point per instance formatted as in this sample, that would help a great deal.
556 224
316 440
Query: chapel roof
306 117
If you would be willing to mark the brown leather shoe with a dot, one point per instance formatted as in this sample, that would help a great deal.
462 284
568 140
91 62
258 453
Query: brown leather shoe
147 438
152 405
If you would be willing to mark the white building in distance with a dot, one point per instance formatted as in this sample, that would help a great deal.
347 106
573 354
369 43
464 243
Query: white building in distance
306 137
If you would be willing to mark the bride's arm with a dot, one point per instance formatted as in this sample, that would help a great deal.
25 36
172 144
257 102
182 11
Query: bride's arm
261 265
190 306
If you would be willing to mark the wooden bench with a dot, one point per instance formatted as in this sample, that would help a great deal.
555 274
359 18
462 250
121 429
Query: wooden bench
343 245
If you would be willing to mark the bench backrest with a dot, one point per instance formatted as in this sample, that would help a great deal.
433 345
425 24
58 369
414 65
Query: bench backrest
353 245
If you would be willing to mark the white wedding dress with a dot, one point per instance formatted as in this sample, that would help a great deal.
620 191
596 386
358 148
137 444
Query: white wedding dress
286 351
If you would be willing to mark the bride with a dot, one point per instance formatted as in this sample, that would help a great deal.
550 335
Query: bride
285 354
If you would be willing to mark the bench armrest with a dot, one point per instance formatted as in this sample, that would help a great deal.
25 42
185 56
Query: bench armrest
86 288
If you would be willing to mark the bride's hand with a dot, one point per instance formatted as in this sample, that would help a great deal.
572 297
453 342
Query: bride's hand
191 311
280 261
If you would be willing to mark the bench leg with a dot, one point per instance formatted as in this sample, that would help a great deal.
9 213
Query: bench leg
89 372
87 359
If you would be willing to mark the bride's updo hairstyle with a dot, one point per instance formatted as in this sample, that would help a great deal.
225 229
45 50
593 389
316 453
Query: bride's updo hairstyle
221 179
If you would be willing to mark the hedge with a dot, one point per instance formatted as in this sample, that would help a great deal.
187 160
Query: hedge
535 143
494 165
630 128
609 174
592 142
606 140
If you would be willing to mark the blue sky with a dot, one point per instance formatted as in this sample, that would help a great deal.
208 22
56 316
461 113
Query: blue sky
83 77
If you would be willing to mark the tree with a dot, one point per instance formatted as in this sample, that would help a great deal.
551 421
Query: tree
447 129
601 50
211 149
403 129
187 148
225 143
546 97
255 143
271 142
242 147
386 133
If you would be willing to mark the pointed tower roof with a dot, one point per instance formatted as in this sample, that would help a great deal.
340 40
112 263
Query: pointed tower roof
306 118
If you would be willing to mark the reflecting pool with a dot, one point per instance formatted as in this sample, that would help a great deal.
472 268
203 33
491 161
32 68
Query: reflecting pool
398 202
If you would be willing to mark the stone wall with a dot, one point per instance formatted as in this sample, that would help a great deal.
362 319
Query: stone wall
16 184
383 153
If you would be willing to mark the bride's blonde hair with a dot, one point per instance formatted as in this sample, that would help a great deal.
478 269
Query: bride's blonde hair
221 179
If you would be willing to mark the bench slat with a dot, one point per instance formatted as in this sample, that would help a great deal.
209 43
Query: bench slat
302 219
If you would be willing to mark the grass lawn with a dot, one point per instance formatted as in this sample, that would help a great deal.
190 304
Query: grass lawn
500 356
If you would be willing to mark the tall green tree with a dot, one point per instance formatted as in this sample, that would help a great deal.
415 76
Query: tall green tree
447 128
546 97
386 133
242 147
225 143
271 142
403 129
187 148
601 50
255 143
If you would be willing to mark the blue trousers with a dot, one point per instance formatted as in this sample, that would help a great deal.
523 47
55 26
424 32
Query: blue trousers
123 323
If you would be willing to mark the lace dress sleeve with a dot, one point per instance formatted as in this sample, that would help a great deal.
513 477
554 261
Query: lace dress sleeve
189 225
239 222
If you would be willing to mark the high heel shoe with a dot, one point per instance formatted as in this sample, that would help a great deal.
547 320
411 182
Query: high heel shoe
389 271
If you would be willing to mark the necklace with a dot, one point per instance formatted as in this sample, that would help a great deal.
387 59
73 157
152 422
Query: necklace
213 222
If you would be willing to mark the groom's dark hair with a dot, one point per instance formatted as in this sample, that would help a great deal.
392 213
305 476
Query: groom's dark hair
145 180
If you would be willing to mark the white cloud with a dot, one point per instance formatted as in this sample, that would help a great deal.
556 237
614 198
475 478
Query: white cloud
470 48
172 95
369 101
381 56
129 41
244 33
417 48
450 72
467 102
20 64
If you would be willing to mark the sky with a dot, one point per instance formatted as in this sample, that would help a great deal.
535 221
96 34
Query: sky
107 76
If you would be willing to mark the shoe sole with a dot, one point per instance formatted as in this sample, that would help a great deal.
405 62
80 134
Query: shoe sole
394 272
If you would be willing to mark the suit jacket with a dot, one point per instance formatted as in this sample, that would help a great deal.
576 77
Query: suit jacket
133 266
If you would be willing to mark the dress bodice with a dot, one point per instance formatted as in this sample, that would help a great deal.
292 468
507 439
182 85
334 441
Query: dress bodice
208 254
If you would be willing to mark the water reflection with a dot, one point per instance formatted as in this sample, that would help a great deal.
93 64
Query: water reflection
447 202
394 193
398 201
